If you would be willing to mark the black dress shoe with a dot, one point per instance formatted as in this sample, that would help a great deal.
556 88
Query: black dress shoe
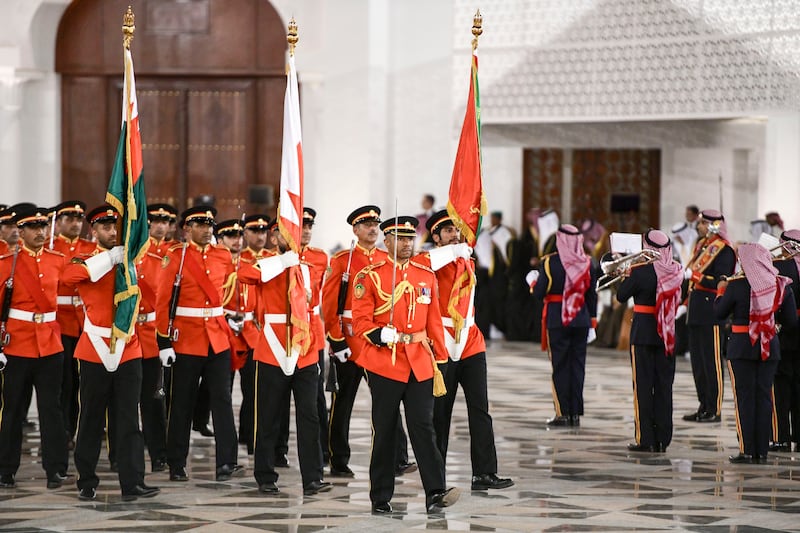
159 465
660 447
139 491
54 481
7 481
558 422
691 417
633 447
87 494
178 474
204 430
780 447
269 488
708 417
741 459
381 508
342 472
225 472
575 420
281 461
490 481
760 459
316 487
405 468
441 499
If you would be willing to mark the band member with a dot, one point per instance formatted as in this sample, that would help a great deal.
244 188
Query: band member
31 353
240 310
656 291
396 312
713 258
69 217
110 374
317 261
754 350
282 369
194 273
787 378
345 346
455 274
566 284
160 217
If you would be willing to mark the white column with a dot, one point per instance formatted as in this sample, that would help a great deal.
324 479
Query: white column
779 182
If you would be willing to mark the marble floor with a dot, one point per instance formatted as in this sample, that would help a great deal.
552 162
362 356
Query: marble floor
566 480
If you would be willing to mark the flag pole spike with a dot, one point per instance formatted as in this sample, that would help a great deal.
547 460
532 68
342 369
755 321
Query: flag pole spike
128 27
291 36
477 28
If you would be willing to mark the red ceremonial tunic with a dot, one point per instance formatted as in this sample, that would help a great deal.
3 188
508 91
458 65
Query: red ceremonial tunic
98 301
199 319
317 261
416 310
35 333
70 311
330 295
271 309
148 271
160 248
454 290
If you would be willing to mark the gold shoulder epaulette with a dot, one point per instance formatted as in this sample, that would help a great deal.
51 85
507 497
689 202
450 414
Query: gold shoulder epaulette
340 253
418 265
367 269
177 246
54 252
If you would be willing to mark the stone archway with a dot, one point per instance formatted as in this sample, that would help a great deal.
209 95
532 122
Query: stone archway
210 79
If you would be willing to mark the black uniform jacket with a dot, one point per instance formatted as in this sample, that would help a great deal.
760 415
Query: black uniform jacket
736 303
701 298
551 281
641 285
789 336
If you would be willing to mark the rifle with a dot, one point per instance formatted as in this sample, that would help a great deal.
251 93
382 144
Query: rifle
172 332
5 337
343 286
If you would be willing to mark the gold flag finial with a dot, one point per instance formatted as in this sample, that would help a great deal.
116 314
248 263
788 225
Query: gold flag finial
291 37
477 28
128 27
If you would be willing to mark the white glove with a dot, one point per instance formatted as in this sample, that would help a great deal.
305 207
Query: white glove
289 259
680 311
3 361
389 335
117 254
462 250
342 355
687 274
236 324
167 357
532 277
592 336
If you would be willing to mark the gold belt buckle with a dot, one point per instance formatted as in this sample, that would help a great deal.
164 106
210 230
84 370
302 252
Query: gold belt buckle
405 338
141 318
76 301
38 317
207 312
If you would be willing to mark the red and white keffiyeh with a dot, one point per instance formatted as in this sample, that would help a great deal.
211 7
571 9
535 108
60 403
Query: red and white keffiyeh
569 243
669 274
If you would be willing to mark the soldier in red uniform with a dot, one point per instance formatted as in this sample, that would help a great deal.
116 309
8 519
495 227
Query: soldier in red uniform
160 216
317 261
111 376
9 232
69 217
455 272
201 347
240 306
32 350
281 370
396 312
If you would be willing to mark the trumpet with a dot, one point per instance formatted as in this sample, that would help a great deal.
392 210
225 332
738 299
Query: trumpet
616 270
788 249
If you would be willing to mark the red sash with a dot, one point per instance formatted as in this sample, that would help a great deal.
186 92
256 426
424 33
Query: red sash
34 287
550 298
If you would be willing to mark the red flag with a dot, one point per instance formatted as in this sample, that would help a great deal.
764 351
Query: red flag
466 203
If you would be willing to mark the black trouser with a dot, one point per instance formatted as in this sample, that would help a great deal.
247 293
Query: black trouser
246 417
705 346
322 407
271 385
282 442
154 415
653 374
787 397
752 393
186 373
470 373
202 406
567 348
69 386
20 374
98 387
417 398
